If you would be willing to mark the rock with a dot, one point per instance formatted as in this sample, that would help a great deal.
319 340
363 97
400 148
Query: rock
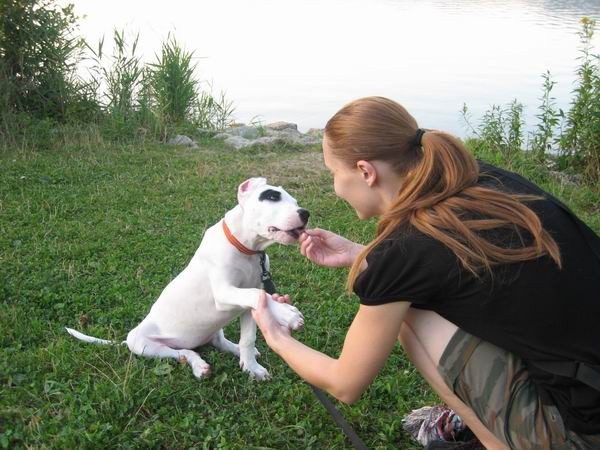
183 140
238 142
269 140
245 131
241 136
566 178
287 134
309 140
318 132
206 132
278 126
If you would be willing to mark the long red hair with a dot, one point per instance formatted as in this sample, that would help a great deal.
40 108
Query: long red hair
439 187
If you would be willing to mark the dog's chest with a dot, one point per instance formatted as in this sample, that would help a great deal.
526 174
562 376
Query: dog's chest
248 274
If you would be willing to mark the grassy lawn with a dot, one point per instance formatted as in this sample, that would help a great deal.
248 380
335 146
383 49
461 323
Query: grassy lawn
88 239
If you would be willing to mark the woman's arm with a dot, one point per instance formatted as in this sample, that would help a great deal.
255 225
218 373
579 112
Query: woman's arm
368 343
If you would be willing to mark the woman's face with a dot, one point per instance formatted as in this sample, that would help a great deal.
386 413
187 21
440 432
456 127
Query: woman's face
350 185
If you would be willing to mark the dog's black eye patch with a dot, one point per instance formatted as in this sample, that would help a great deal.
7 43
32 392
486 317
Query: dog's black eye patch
270 195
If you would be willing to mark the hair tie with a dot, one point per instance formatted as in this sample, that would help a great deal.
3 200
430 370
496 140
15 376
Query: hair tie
419 136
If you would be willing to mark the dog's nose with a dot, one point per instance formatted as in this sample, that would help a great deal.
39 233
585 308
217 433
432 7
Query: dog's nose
304 215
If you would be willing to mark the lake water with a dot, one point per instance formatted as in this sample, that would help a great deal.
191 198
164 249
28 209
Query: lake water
300 61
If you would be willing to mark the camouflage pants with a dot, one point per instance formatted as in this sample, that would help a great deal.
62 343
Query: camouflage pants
496 385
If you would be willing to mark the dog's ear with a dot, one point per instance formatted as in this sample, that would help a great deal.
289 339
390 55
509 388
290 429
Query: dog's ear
248 186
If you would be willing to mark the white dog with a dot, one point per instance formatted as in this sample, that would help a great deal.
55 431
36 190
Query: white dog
222 282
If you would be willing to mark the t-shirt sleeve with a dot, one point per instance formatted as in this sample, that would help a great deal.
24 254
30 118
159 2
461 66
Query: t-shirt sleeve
413 269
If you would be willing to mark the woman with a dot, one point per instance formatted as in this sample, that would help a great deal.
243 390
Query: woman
491 286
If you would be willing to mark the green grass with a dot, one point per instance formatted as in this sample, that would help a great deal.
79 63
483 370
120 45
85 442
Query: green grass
100 232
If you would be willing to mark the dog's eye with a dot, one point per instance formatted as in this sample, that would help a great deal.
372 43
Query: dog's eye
270 195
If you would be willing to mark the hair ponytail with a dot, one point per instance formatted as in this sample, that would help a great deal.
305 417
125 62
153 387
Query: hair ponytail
440 196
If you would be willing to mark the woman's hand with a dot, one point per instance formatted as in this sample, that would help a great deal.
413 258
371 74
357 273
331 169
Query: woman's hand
328 249
269 327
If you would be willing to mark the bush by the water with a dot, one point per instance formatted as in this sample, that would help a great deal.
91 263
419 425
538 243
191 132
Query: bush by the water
571 138
40 54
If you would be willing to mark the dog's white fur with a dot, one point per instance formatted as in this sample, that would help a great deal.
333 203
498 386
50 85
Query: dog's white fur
219 284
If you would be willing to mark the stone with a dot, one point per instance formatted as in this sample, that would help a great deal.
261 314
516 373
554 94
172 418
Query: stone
182 140
567 178
269 140
245 131
278 126
287 134
315 132
241 136
206 132
309 140
238 142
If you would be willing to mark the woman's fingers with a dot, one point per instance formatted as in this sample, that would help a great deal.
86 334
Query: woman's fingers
305 245
309 250
281 298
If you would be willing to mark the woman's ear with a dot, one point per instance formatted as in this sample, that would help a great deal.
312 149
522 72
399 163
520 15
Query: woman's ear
368 172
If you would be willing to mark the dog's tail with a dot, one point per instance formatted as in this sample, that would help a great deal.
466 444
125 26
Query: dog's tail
90 339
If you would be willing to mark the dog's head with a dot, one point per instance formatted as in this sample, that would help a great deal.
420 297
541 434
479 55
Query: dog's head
270 212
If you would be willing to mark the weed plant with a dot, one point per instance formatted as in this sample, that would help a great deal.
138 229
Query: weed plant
500 129
581 141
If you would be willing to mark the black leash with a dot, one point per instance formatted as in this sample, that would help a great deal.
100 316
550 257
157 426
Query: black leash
357 442
337 416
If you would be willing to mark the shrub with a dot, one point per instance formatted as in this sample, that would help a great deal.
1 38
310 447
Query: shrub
174 86
39 52
500 129
581 140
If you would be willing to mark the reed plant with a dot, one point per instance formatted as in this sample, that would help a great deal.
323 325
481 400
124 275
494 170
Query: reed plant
174 86
117 81
122 78
212 113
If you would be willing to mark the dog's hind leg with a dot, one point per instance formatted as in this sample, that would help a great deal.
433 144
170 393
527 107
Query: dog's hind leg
220 342
153 349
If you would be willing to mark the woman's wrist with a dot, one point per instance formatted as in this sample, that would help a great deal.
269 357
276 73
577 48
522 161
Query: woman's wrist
354 252
276 339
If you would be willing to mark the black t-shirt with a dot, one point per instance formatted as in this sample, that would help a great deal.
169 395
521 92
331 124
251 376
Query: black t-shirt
533 308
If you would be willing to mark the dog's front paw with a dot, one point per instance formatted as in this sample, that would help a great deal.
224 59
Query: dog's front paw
287 315
256 371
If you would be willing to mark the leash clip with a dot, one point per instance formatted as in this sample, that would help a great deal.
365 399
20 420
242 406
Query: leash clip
265 276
